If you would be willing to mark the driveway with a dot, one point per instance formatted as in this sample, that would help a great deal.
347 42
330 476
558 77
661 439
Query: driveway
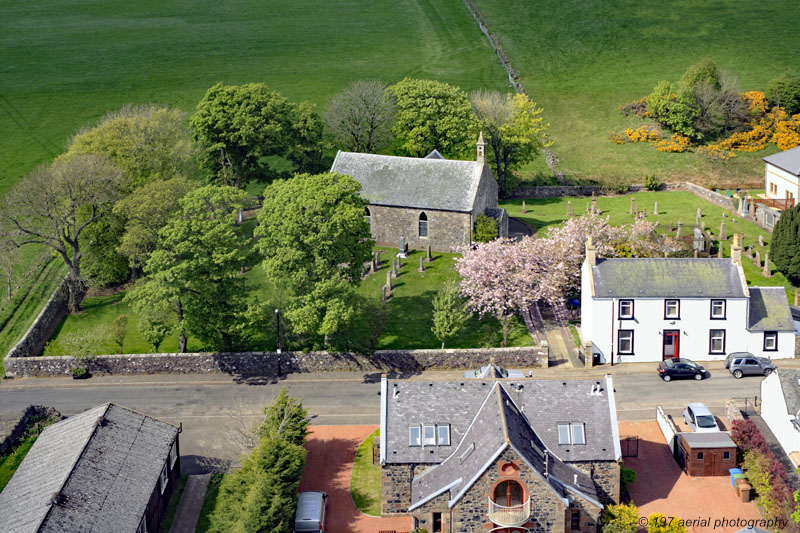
331 450
662 487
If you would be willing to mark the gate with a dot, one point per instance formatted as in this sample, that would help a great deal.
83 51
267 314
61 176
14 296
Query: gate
629 446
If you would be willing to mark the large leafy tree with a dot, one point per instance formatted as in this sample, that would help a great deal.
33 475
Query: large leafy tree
55 204
102 264
450 312
196 268
148 142
241 126
361 117
514 129
433 115
146 210
785 245
784 91
313 238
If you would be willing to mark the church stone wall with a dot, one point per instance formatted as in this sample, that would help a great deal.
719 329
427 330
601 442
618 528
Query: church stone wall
487 193
447 230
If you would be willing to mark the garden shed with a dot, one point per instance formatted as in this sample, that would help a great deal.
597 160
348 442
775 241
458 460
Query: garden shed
706 454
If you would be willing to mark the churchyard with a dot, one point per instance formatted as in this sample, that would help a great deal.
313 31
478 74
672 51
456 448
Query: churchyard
673 207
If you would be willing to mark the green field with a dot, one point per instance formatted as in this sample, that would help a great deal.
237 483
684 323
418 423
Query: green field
67 63
582 60
673 206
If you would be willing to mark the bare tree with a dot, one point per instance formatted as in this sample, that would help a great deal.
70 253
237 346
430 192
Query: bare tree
55 203
8 257
361 117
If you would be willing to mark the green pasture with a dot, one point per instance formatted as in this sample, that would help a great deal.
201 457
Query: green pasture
66 63
582 60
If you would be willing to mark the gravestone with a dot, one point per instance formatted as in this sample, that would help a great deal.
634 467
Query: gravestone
523 207
696 254
394 267
698 242
403 252
429 257
594 204
703 225
389 279
761 240
757 259
722 235
421 265
767 273
569 207
680 229
655 207
633 206
386 293
719 252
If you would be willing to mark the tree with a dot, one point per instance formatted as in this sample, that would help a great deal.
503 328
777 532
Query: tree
784 91
513 127
485 229
102 264
148 142
286 418
155 326
450 313
433 115
361 117
785 244
146 210
622 518
658 523
118 330
313 238
8 260
241 126
196 268
55 203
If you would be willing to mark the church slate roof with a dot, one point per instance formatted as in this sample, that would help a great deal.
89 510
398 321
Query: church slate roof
667 278
426 183
788 160
497 425
769 310
544 403
103 463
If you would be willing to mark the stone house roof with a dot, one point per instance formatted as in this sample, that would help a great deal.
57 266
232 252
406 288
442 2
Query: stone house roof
790 386
769 310
91 472
667 278
427 183
498 424
544 403
788 160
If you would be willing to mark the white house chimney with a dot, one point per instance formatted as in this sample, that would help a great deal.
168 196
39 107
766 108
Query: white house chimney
591 252
481 159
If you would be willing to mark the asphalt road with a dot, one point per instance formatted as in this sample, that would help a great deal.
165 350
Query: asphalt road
209 406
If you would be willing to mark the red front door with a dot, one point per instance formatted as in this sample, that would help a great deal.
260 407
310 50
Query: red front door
671 343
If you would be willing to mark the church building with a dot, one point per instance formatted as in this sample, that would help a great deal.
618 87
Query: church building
430 201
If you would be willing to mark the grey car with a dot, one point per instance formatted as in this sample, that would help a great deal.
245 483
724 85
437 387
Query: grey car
746 364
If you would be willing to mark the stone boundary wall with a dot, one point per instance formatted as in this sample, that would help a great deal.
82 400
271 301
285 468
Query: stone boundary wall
31 413
271 364
762 215
707 194
554 191
45 324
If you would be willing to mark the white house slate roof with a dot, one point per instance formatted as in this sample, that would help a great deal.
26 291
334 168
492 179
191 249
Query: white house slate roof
790 385
667 278
496 426
426 183
788 160
769 310
544 403
103 463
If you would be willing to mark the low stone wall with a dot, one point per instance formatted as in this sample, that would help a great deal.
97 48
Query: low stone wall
31 414
45 324
554 191
764 216
273 364
712 196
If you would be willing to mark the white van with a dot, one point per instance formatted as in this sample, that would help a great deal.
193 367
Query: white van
310 512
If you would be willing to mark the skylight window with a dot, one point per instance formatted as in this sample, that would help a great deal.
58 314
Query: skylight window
443 435
414 436
571 433
428 435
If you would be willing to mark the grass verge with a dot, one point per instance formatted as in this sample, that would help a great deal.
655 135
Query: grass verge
365 483
172 506
209 503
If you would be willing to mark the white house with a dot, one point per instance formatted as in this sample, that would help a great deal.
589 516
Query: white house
780 407
782 175
635 310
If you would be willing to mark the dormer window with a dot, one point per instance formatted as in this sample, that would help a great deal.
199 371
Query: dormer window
428 435
571 433
626 309
414 436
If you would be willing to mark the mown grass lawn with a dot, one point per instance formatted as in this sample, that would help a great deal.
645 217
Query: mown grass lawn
365 482
582 60
90 57
408 325
543 213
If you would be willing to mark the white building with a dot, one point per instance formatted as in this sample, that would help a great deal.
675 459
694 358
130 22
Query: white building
782 175
780 407
635 310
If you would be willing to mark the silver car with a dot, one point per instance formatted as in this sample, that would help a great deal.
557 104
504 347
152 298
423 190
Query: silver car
746 364
698 417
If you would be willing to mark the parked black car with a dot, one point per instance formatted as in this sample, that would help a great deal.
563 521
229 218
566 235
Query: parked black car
670 369
746 364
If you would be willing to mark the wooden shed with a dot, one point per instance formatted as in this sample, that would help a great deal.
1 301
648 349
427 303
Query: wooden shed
706 454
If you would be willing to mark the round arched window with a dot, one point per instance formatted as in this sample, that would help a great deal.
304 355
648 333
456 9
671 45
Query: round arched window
508 493
423 225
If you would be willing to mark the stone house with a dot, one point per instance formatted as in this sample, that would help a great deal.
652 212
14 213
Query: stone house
651 309
430 201
499 455
106 469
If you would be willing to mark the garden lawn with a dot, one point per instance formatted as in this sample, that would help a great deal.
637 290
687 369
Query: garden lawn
673 206
209 503
408 325
582 60
90 57
365 483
